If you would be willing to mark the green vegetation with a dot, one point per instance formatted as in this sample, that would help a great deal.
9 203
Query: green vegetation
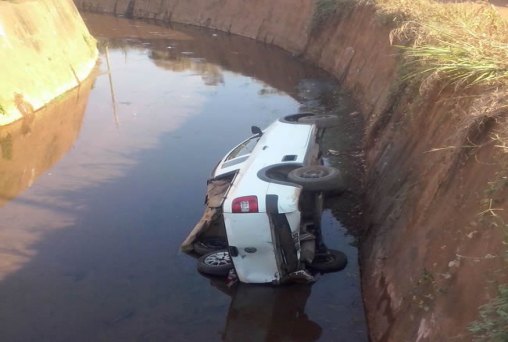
462 44
2 110
493 324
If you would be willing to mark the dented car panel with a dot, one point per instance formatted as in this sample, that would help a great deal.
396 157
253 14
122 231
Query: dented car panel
252 247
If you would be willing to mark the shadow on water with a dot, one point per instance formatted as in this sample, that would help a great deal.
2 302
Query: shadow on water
90 251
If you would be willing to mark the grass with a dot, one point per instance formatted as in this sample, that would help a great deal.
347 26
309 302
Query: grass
462 44
493 323
2 110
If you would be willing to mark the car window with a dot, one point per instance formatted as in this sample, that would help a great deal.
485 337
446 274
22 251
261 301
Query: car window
243 149
235 161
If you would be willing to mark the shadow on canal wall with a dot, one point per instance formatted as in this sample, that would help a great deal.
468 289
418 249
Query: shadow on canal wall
436 166
45 50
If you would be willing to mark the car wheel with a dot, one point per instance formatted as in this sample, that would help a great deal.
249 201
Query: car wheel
316 178
217 263
332 261
321 121
209 244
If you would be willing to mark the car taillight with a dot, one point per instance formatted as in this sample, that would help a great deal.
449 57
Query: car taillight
247 204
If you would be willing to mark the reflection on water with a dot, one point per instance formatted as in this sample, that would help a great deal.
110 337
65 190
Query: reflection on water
266 313
94 207
32 145
208 53
29 148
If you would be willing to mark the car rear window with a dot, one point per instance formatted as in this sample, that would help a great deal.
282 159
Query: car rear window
243 149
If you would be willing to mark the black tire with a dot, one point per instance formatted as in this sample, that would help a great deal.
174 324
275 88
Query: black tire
217 263
209 244
316 178
321 121
332 261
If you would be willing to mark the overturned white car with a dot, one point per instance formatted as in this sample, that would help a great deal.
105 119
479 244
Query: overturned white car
264 203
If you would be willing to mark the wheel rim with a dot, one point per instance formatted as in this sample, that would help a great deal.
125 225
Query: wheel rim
218 259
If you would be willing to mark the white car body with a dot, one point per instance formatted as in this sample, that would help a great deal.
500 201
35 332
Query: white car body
264 204
258 237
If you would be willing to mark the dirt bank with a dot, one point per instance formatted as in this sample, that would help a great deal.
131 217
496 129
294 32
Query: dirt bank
436 164
45 50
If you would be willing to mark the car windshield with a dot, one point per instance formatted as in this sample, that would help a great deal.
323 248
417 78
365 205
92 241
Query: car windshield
243 149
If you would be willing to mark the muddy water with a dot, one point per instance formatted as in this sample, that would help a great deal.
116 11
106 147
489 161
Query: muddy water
99 189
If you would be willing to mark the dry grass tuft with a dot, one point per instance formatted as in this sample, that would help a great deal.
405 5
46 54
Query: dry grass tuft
465 44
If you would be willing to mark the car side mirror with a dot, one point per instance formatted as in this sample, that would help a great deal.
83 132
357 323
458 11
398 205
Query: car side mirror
256 131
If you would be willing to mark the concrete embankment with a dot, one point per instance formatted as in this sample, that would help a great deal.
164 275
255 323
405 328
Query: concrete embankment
45 50
432 251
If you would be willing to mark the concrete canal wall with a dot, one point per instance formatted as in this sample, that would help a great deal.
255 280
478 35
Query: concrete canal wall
432 251
45 50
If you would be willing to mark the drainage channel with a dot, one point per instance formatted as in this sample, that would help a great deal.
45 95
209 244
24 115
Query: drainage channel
100 188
